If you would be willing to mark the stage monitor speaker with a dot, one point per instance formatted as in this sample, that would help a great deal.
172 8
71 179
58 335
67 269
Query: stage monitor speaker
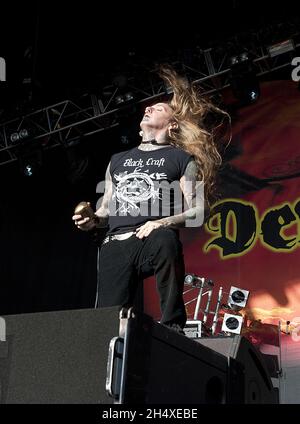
258 387
57 357
152 364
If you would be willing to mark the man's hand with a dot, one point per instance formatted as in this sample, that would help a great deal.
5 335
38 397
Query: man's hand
147 228
84 224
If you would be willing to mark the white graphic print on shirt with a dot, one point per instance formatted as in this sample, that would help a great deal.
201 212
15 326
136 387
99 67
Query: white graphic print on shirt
135 187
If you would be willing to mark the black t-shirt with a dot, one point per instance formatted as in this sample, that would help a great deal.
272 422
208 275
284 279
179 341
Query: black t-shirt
141 181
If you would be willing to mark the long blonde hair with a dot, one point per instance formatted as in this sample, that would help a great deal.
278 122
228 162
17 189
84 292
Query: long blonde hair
193 134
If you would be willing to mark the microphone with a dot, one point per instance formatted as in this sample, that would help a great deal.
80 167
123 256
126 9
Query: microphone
196 281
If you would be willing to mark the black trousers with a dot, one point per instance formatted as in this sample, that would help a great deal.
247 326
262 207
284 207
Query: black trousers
124 263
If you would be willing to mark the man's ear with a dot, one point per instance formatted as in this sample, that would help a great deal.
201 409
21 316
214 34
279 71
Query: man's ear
173 126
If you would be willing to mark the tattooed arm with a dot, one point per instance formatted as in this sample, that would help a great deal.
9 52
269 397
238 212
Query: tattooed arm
193 192
193 215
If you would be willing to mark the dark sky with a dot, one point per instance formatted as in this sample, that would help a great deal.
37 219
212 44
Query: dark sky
74 43
91 28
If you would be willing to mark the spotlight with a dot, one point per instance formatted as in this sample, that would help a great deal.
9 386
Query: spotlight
195 281
20 135
245 88
243 80
119 100
31 163
244 56
128 97
125 98
24 133
190 279
14 137
28 170
232 323
234 60
237 298
254 95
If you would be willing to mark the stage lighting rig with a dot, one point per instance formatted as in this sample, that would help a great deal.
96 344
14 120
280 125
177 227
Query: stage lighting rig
238 59
128 97
124 99
19 135
119 100
195 281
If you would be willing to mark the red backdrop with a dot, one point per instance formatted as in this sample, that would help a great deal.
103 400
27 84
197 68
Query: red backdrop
267 134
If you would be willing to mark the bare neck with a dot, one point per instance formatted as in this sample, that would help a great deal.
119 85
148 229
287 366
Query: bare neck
149 135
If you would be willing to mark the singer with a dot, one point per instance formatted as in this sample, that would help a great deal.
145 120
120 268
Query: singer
175 147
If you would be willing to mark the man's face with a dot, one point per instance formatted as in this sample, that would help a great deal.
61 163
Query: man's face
157 117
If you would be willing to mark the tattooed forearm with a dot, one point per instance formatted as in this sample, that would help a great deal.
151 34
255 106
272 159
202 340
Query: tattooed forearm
193 192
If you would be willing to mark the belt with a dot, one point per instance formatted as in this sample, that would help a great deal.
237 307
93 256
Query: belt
123 236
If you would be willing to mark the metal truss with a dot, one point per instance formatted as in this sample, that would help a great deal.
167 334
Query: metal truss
58 124
65 122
